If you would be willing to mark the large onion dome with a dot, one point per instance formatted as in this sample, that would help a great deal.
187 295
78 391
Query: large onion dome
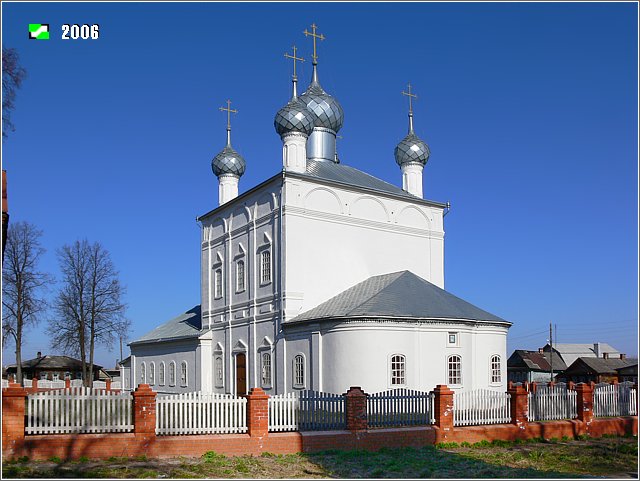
228 162
294 117
326 110
412 149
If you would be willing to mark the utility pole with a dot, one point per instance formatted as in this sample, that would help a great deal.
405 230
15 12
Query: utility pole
120 348
551 352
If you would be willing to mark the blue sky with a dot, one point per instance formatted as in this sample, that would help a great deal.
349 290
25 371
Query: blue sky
530 111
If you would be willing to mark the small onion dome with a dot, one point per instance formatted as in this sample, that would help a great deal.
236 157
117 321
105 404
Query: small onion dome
228 162
327 111
412 149
294 117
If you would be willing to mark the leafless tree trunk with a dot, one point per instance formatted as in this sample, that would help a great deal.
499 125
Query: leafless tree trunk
12 76
22 285
89 308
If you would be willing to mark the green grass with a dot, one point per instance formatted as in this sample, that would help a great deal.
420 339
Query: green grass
498 459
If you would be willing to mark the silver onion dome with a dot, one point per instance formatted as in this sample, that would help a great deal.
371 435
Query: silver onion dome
294 117
228 162
326 110
412 149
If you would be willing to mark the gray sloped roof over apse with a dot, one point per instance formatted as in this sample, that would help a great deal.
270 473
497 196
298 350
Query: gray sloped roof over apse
397 295
187 324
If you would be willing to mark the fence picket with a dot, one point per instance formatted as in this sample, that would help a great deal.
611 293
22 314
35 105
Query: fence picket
481 406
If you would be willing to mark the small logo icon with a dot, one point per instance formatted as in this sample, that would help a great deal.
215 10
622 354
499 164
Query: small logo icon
38 31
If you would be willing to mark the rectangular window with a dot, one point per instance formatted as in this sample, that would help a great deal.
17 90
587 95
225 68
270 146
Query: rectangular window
397 370
265 264
219 375
152 373
266 369
218 283
161 374
183 374
240 276
453 338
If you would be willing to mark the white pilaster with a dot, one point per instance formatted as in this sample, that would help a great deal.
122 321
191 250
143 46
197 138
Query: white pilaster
412 178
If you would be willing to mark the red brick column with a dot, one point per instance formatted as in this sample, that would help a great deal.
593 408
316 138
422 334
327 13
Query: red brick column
67 383
585 403
356 409
257 413
519 406
443 408
13 401
108 383
144 411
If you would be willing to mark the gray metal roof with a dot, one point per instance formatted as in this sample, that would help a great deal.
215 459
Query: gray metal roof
571 352
600 365
348 175
52 362
187 324
397 295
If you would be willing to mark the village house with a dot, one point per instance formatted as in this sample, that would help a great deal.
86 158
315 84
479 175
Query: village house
606 369
534 366
52 368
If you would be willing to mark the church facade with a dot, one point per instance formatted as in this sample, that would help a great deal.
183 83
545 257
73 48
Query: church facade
323 277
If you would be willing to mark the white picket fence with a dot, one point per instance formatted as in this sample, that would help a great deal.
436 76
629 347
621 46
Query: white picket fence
200 413
99 385
46 384
27 383
76 383
5 383
614 400
481 406
284 411
79 410
551 403
400 407
116 385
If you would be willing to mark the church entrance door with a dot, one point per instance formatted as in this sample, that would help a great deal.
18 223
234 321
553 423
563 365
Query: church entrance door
241 374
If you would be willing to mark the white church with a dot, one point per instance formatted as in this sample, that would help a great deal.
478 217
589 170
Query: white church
322 277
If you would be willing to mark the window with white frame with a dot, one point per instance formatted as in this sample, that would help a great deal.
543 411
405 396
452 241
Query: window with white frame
454 366
161 374
397 370
452 339
143 373
240 276
152 373
298 371
183 374
496 375
266 369
172 373
218 371
217 283
265 266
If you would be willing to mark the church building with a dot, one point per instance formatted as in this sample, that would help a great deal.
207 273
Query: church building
323 277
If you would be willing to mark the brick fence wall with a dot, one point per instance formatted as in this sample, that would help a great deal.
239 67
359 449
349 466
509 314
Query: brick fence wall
143 439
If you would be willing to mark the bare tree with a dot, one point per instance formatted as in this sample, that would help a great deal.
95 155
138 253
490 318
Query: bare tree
22 285
12 76
89 307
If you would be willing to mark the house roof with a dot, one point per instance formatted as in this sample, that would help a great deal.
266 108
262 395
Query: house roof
185 325
571 352
52 362
399 295
599 365
536 361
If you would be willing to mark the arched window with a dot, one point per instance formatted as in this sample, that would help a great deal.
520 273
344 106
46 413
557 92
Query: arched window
143 373
298 371
152 373
265 263
454 366
161 374
219 373
217 283
240 276
495 369
266 369
172 373
397 370
183 374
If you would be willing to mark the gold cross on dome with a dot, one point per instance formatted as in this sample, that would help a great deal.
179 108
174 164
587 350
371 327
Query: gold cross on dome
294 58
410 95
314 35
229 111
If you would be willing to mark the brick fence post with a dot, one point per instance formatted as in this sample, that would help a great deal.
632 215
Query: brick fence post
257 413
13 401
356 409
108 385
519 406
144 411
67 383
443 410
584 393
